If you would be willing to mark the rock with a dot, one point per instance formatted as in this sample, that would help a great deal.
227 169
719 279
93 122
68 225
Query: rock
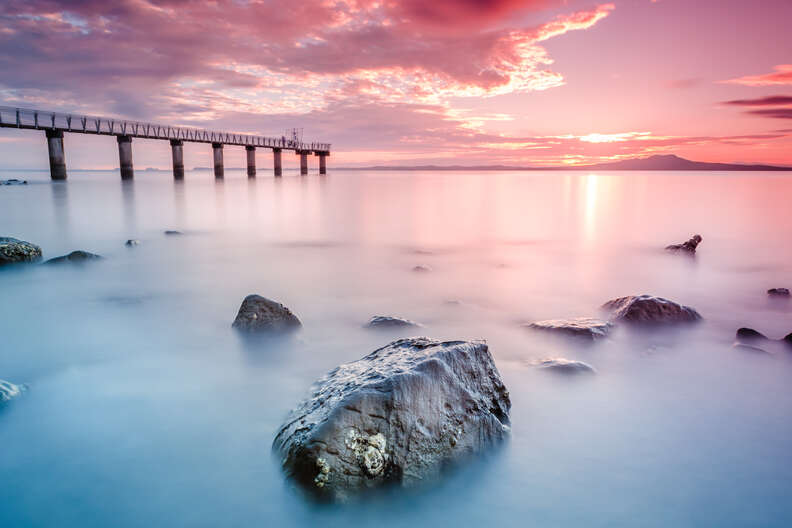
749 348
13 181
648 309
778 292
132 242
565 366
398 416
259 314
13 251
75 257
581 327
788 339
9 391
689 246
172 232
386 321
749 334
420 268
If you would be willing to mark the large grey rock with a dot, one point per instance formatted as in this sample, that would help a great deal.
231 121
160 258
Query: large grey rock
565 366
689 246
75 257
390 322
587 328
397 416
9 391
648 309
259 314
13 250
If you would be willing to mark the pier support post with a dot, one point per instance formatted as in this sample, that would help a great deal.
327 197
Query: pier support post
276 157
251 161
125 157
57 157
217 149
177 149
322 162
303 161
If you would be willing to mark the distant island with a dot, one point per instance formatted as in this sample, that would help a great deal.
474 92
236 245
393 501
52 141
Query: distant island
667 162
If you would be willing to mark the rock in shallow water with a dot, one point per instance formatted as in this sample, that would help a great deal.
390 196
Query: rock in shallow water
778 292
397 416
258 314
9 391
132 242
75 257
13 251
688 246
648 309
421 268
581 327
565 366
387 321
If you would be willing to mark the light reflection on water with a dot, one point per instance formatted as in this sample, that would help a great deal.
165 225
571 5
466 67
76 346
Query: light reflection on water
145 408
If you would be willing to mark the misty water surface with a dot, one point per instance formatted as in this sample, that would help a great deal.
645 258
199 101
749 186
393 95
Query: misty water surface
144 408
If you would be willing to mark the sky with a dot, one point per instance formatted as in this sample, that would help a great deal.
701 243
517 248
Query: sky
445 82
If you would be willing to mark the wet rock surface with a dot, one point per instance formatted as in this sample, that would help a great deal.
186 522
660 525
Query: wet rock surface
258 314
748 338
13 251
132 242
749 334
387 321
75 257
587 328
565 366
688 246
13 181
8 391
395 417
650 310
778 292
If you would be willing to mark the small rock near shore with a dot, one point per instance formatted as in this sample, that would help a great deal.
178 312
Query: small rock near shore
173 232
688 246
259 314
9 391
749 334
565 366
13 181
13 251
399 416
648 309
421 268
581 327
778 292
75 257
132 242
387 321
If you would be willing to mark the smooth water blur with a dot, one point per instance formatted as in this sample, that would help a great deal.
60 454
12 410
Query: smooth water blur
144 408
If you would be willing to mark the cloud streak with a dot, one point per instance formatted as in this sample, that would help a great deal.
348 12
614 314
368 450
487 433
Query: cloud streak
782 75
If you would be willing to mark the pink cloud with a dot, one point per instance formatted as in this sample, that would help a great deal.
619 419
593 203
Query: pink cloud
781 75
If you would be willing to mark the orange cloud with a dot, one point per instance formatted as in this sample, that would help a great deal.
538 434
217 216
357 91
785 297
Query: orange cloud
781 75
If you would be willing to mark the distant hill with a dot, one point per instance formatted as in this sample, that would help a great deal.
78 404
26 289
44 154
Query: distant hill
668 162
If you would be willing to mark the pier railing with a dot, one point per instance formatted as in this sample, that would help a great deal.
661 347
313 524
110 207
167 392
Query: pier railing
84 124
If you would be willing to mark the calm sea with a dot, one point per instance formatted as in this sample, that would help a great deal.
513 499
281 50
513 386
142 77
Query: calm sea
144 408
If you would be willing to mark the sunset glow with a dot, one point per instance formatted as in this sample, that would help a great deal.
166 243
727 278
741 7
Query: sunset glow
532 82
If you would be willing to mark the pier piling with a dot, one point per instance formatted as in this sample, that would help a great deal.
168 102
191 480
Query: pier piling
251 161
177 149
322 162
303 161
57 157
125 157
217 149
276 157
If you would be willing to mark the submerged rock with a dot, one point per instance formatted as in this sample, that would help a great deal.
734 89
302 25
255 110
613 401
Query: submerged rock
397 416
259 314
421 268
132 242
76 257
13 251
778 292
387 321
745 347
13 181
689 246
565 366
173 232
9 391
648 309
581 327
749 334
